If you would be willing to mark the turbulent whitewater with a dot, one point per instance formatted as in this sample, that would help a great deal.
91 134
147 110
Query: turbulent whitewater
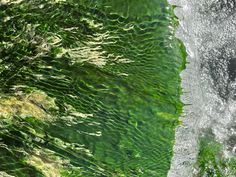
206 141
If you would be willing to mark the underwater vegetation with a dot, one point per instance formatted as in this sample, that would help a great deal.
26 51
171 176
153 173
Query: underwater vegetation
211 160
88 88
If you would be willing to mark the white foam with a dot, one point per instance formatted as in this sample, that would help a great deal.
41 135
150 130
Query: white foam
208 33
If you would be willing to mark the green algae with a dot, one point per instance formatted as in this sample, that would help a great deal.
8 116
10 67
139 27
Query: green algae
212 160
108 76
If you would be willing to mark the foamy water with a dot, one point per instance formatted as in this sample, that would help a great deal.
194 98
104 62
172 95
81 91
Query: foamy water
207 29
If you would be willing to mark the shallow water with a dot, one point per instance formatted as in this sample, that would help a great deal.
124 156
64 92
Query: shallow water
88 88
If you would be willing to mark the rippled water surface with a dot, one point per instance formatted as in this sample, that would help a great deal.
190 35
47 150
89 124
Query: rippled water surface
88 88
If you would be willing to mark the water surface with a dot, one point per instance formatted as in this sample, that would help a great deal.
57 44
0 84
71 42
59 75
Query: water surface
88 88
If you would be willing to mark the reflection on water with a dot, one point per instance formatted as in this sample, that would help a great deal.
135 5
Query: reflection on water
88 88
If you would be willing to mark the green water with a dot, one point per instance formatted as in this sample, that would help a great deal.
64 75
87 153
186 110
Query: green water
88 88
212 161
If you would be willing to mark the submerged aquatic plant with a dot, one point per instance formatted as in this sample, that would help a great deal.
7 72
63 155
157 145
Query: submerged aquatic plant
212 160
88 88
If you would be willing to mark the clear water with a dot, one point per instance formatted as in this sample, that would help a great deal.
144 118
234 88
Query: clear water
88 88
